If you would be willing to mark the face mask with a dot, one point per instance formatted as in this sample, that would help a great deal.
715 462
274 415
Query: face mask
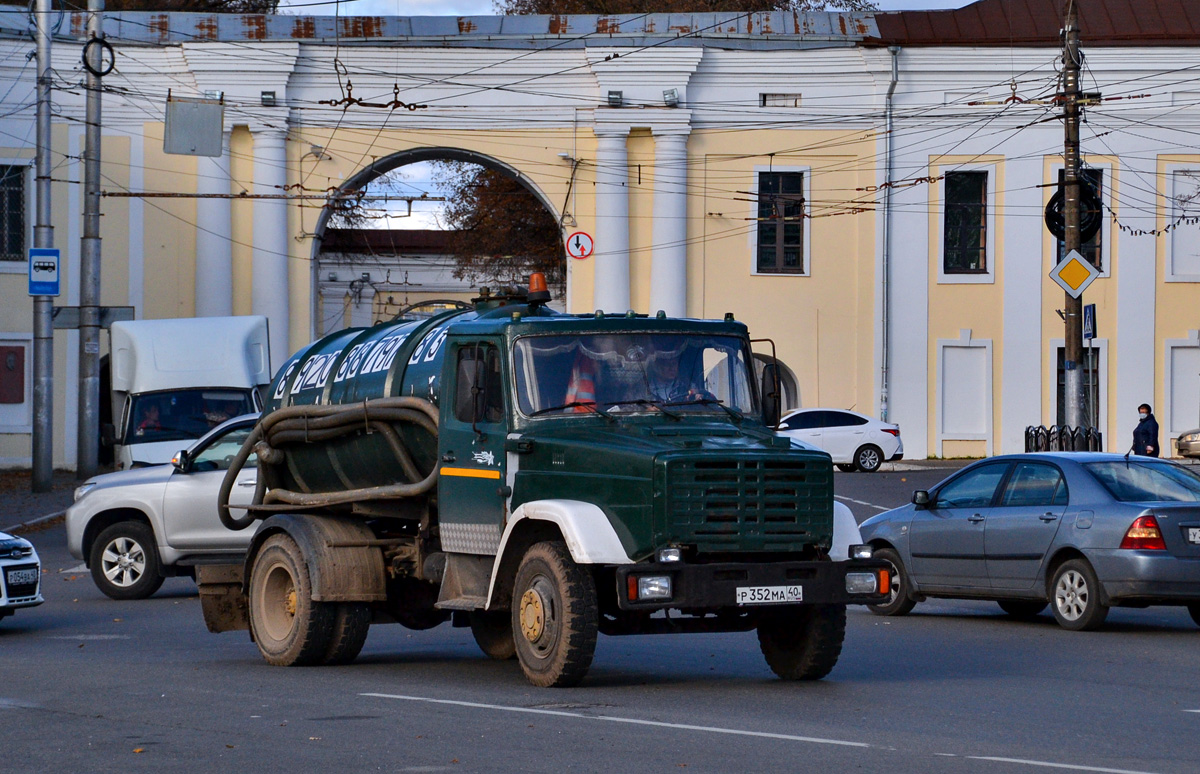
1143 414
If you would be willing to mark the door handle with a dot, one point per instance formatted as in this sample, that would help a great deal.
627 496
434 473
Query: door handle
1048 516
975 517
247 483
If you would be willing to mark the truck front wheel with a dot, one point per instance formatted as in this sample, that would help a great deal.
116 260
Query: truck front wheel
288 626
555 617
803 643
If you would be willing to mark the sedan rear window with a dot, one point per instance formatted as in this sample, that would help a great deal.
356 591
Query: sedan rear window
1136 481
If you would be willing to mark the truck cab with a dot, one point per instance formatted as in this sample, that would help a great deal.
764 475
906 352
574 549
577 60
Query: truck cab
174 380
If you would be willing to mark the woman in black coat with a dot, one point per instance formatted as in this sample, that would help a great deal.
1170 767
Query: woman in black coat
1145 435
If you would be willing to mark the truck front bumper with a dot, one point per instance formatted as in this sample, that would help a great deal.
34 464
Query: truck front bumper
746 586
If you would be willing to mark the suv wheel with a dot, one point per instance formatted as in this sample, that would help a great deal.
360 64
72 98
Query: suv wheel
124 561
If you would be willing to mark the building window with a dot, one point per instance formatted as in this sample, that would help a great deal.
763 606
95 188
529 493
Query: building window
780 223
12 212
1091 377
1090 249
778 100
965 232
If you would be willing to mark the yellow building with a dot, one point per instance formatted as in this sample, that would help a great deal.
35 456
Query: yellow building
824 177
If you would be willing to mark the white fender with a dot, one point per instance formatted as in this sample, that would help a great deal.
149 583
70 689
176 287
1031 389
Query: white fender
845 532
590 537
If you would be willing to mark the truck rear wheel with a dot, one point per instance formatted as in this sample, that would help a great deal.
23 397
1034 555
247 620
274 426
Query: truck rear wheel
803 643
288 626
351 620
555 617
493 633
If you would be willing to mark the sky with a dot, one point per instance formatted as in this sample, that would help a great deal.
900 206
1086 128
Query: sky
419 176
484 7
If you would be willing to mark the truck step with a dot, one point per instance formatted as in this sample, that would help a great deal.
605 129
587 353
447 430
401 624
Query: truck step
463 603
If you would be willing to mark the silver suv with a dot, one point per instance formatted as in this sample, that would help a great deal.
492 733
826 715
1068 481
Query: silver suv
136 527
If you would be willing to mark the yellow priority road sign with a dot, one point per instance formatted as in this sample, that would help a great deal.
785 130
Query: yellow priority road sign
1074 273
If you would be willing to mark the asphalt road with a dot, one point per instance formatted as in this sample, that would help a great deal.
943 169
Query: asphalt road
90 684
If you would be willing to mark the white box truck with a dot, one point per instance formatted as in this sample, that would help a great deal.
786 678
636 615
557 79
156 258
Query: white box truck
174 380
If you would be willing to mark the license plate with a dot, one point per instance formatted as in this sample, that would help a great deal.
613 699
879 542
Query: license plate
769 595
1194 535
21 577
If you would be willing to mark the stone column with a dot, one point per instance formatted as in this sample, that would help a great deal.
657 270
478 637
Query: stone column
668 272
214 236
269 275
612 221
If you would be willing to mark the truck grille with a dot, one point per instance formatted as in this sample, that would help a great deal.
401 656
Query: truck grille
749 503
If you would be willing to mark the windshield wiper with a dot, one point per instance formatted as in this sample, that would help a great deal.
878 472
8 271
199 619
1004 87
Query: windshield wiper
734 414
589 405
652 403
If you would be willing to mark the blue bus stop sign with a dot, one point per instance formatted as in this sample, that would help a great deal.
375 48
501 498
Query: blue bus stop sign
43 271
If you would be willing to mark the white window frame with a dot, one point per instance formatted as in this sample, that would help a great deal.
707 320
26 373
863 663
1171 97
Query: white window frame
22 267
26 425
965 341
983 278
1167 413
1169 273
1105 219
752 240
1052 381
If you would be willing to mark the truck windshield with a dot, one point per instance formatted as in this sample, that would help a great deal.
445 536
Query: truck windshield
633 373
180 415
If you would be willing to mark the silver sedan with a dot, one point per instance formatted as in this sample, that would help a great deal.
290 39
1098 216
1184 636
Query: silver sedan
1081 531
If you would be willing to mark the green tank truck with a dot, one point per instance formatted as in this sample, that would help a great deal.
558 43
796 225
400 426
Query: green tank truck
543 478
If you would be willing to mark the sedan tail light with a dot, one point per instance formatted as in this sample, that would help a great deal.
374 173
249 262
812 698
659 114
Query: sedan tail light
1144 534
892 431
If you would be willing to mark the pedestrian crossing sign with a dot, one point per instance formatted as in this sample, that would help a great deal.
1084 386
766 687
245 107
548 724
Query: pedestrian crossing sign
1074 273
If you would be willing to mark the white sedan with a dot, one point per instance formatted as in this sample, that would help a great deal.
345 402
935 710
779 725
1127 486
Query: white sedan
136 527
855 441
20 574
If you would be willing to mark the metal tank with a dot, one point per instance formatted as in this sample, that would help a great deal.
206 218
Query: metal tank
357 415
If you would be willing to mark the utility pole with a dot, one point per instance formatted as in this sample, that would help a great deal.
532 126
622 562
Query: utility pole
88 437
43 306
1073 388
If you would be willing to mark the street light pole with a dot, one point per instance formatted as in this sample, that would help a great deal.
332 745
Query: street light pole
1073 387
88 434
43 306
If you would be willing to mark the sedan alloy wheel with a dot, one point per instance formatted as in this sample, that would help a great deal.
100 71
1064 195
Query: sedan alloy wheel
1075 597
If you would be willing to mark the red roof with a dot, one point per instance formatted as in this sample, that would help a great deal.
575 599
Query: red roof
1037 23
382 241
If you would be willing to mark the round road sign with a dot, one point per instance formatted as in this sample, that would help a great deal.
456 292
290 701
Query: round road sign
579 245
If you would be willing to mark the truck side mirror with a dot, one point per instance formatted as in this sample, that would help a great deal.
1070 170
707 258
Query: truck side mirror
771 397
180 461
920 498
108 434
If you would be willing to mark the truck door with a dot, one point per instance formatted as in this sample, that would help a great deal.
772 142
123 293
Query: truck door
471 498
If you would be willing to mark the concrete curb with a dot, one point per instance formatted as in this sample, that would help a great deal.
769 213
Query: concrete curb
49 518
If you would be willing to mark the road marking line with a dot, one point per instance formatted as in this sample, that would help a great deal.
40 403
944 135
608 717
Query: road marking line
1191 710
862 502
613 719
1048 765
78 569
